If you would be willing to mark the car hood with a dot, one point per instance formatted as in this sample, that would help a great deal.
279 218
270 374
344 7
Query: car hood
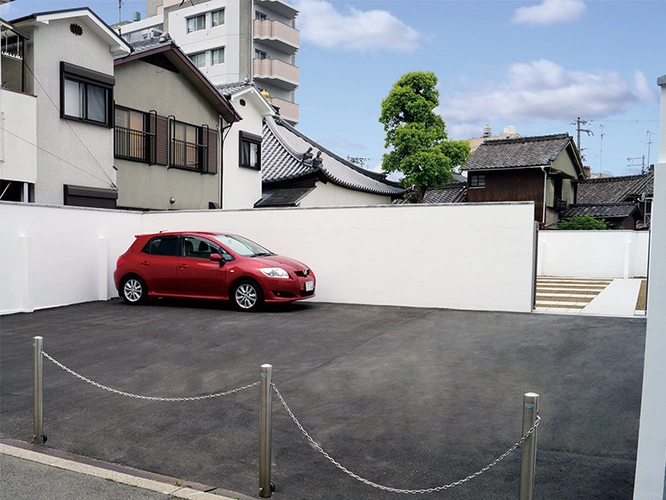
279 261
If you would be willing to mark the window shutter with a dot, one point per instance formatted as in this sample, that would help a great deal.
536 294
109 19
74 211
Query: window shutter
161 140
212 152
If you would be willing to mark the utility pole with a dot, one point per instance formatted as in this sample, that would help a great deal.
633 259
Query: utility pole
120 6
649 142
642 164
578 123
601 150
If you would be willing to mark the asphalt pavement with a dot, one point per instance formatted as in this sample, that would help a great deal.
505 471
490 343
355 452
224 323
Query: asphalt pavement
406 398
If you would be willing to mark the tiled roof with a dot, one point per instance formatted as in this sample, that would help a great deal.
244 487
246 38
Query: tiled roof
616 189
288 197
601 210
288 154
232 88
537 151
454 192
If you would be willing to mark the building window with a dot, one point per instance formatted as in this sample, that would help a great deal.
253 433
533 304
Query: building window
260 16
477 180
217 17
198 59
133 138
260 54
85 95
250 150
217 56
196 23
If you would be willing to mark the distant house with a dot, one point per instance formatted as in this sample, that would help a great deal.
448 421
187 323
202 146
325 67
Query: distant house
298 172
623 202
543 169
168 128
242 166
57 106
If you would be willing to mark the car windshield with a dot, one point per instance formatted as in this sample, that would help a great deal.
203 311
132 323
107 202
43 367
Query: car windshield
242 246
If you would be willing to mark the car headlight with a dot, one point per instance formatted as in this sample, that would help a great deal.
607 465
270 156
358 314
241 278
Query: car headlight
275 272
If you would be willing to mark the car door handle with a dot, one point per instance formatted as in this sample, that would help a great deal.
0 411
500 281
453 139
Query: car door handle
145 263
184 266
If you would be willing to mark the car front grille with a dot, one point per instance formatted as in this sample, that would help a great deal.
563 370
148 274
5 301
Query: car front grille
304 273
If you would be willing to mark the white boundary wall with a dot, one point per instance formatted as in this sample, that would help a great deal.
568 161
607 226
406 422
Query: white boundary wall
478 257
54 256
593 254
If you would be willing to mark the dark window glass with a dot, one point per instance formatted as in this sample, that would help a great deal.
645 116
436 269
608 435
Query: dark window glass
163 245
250 151
477 180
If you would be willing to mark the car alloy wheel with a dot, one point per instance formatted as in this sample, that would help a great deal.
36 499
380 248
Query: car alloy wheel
133 290
247 296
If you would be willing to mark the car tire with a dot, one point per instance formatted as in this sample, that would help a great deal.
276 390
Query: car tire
247 296
133 290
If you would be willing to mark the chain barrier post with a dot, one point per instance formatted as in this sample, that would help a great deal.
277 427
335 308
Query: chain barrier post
528 459
38 390
266 487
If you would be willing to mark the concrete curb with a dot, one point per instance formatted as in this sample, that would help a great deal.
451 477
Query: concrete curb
108 474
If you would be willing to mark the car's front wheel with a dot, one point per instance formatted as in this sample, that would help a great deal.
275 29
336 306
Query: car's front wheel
247 296
133 290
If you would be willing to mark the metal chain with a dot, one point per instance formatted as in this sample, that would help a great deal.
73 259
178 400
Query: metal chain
397 490
149 398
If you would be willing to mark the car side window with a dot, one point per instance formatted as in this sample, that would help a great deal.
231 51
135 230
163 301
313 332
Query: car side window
162 245
198 248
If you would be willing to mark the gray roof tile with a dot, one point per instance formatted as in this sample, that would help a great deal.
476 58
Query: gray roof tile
522 152
454 192
616 189
601 210
282 158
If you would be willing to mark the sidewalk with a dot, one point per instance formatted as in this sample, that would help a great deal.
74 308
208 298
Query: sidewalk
34 473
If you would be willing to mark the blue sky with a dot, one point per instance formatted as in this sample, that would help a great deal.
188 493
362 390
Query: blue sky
536 65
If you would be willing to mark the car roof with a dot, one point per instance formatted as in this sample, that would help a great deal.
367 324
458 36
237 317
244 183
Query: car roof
179 233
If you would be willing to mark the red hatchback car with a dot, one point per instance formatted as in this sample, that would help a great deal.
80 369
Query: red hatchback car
209 266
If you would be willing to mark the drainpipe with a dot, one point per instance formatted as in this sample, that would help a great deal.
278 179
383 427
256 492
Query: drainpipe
222 128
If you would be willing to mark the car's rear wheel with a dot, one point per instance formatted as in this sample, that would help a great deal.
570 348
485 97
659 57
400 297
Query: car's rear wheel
133 290
247 296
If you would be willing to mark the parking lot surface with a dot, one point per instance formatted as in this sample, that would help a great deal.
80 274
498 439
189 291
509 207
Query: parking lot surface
404 397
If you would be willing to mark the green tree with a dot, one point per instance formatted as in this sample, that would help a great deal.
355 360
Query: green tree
416 135
583 222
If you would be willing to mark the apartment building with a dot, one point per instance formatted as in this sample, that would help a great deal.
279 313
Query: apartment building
232 41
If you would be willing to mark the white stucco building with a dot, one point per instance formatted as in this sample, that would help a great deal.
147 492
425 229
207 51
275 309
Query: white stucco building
231 41
57 109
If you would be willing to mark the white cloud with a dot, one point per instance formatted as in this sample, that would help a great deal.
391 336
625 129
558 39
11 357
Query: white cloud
365 31
543 90
550 12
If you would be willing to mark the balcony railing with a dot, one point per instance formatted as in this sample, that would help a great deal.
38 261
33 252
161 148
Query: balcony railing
287 110
278 35
279 73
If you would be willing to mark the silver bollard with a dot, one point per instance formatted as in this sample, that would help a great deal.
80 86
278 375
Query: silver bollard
266 487
37 390
528 460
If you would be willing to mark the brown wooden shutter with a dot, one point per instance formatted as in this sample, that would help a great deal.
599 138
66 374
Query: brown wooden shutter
161 140
212 152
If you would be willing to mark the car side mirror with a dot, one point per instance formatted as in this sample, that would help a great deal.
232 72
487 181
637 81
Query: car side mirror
216 257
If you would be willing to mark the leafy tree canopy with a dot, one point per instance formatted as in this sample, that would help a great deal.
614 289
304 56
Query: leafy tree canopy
583 222
416 135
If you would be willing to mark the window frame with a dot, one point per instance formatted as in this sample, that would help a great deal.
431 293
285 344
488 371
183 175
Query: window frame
197 55
199 147
87 79
212 56
126 137
196 18
477 180
212 18
250 139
